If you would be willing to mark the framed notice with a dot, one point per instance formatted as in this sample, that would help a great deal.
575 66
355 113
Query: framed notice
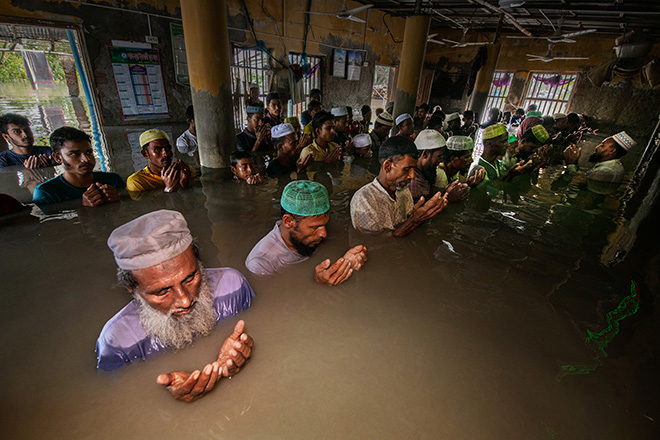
354 65
339 63
139 80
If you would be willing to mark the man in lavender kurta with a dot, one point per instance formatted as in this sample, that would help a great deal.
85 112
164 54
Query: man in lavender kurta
175 300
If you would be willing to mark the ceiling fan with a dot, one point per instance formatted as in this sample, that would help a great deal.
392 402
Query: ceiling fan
344 13
463 43
431 39
548 56
558 36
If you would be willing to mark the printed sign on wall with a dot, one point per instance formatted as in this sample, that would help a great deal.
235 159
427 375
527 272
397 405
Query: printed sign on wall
139 81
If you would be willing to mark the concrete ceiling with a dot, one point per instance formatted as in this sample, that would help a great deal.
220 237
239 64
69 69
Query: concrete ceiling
609 18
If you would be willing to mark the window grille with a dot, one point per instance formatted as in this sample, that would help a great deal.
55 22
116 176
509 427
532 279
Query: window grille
551 92
312 81
499 89
248 66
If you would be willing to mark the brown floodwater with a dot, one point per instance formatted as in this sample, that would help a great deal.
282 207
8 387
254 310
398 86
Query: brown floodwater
459 331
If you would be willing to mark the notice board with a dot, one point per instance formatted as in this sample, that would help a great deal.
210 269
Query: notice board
139 80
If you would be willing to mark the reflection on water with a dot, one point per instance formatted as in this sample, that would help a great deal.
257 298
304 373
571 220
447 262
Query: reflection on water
456 331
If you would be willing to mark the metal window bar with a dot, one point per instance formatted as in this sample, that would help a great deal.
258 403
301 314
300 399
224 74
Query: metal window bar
248 66
497 93
313 82
551 99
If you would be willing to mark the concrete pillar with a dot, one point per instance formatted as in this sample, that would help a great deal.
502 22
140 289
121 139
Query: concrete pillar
410 68
209 59
483 81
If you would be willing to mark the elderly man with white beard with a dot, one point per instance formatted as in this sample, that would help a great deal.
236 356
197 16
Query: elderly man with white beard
175 300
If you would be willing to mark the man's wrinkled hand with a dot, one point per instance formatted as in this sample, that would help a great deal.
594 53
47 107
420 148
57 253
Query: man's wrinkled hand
478 177
457 192
188 387
356 257
333 275
424 210
572 154
303 163
235 351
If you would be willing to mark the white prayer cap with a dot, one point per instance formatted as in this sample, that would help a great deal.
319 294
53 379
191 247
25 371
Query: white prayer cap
384 119
150 240
362 140
338 112
429 140
624 140
401 118
453 116
460 143
559 116
281 130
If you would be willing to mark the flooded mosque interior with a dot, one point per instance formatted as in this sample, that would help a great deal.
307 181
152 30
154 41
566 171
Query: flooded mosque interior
526 310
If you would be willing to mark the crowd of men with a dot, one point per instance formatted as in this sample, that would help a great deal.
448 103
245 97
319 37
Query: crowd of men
422 162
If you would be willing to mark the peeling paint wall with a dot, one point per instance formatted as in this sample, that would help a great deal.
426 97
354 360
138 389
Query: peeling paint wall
278 23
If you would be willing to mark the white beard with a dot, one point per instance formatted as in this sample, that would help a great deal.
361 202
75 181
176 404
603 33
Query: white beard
179 332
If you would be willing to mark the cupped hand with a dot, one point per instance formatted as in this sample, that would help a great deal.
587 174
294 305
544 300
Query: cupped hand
356 257
333 275
188 387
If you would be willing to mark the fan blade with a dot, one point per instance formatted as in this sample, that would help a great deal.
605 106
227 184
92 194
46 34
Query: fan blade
575 34
546 17
571 58
434 41
431 36
358 9
476 43
355 19
451 41
525 38
317 13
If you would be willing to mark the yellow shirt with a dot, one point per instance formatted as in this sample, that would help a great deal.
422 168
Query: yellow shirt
317 152
144 180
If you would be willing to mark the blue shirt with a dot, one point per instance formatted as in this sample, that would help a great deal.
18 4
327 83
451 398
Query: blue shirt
10 158
123 339
59 190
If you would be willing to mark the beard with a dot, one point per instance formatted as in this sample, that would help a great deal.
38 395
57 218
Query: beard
430 173
180 332
303 249
594 158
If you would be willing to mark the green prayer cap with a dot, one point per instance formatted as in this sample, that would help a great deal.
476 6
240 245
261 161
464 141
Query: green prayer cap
305 197
494 131
540 133
512 137
535 113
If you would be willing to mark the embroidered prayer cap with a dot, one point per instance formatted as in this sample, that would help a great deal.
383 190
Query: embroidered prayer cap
397 145
254 108
493 131
150 240
460 143
362 140
338 112
401 118
453 116
624 140
281 130
559 116
292 120
429 140
512 138
535 113
152 135
305 197
540 133
385 119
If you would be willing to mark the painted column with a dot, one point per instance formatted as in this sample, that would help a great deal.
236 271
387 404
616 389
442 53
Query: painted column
483 81
208 52
410 68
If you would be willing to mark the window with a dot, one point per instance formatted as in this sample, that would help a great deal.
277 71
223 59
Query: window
311 81
499 89
248 66
384 87
551 92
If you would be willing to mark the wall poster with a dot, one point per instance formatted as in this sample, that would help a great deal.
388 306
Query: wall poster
139 81
354 65
339 63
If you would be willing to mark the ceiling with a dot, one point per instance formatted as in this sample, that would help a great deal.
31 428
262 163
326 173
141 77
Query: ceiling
610 18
